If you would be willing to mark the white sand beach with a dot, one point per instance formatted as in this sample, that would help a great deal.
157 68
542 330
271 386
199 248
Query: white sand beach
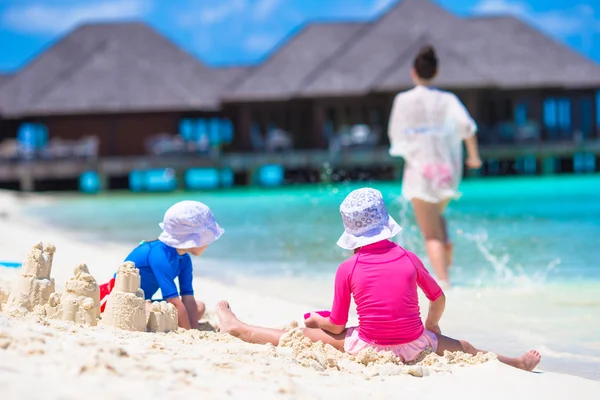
54 359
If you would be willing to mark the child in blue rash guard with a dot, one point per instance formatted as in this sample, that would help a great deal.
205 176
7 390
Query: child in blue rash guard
188 228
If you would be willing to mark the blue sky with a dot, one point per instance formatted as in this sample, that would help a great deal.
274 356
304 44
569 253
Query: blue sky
244 31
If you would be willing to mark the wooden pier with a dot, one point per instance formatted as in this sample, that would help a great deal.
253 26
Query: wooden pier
29 173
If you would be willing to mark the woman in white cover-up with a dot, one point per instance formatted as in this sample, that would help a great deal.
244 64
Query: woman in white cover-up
427 127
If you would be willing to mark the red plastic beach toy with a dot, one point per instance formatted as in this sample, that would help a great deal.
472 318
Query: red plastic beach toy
321 313
104 292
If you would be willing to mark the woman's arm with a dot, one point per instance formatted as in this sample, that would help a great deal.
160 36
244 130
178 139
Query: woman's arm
473 161
468 129
397 147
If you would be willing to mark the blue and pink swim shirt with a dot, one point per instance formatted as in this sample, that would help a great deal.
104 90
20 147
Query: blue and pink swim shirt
159 266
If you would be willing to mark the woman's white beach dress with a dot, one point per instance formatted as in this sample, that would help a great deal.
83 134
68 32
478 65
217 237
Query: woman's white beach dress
427 127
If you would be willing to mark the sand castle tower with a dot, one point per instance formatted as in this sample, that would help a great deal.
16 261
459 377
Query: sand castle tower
163 317
34 287
126 307
3 298
81 298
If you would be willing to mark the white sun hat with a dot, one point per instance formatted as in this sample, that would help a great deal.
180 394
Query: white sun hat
366 220
189 224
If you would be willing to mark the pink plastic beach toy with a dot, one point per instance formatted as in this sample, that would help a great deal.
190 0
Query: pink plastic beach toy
321 313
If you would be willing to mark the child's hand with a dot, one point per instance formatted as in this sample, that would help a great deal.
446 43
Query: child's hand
435 328
313 321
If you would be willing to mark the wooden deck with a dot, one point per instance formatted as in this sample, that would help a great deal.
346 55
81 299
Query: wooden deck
27 172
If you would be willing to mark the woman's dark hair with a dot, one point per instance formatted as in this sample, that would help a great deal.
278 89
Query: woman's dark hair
426 63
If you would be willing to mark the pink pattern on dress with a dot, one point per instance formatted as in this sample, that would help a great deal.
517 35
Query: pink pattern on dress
439 174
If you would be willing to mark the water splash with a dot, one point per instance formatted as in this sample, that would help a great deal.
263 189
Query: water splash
409 237
506 272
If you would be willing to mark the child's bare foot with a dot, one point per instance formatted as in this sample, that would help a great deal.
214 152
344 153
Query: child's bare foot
529 360
228 322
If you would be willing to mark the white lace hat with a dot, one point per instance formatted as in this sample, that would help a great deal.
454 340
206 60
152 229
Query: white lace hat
189 224
366 219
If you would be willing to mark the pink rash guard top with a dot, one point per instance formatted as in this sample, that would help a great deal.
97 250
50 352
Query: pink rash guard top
383 278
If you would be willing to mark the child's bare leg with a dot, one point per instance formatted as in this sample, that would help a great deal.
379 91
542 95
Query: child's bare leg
229 323
527 361
201 309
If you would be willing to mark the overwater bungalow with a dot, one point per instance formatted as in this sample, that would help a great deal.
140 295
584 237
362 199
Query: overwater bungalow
520 85
326 90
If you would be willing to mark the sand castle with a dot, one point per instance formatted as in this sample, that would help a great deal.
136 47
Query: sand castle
34 287
3 298
162 318
81 298
126 307
33 292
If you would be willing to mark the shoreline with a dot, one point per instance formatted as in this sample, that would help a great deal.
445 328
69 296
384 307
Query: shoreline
72 361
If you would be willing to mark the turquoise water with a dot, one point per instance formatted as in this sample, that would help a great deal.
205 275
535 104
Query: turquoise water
506 231
527 253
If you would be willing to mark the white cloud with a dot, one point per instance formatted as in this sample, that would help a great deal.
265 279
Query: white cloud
260 42
501 7
380 6
219 11
211 12
265 8
52 19
579 21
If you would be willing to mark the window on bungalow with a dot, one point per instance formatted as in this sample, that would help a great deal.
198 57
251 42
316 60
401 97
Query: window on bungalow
206 131
187 129
587 119
598 111
557 116
329 124
521 113
564 114
256 135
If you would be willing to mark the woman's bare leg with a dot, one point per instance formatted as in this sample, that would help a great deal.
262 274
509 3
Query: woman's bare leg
429 219
229 323
527 361
449 247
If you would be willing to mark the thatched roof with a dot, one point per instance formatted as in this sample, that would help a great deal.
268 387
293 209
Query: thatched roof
5 78
496 52
129 67
125 67
295 62
383 44
516 55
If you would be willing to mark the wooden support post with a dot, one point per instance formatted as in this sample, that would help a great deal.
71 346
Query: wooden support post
27 182
317 139
241 137
548 166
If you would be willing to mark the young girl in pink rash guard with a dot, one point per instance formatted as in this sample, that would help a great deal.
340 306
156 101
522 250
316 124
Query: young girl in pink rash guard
383 279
